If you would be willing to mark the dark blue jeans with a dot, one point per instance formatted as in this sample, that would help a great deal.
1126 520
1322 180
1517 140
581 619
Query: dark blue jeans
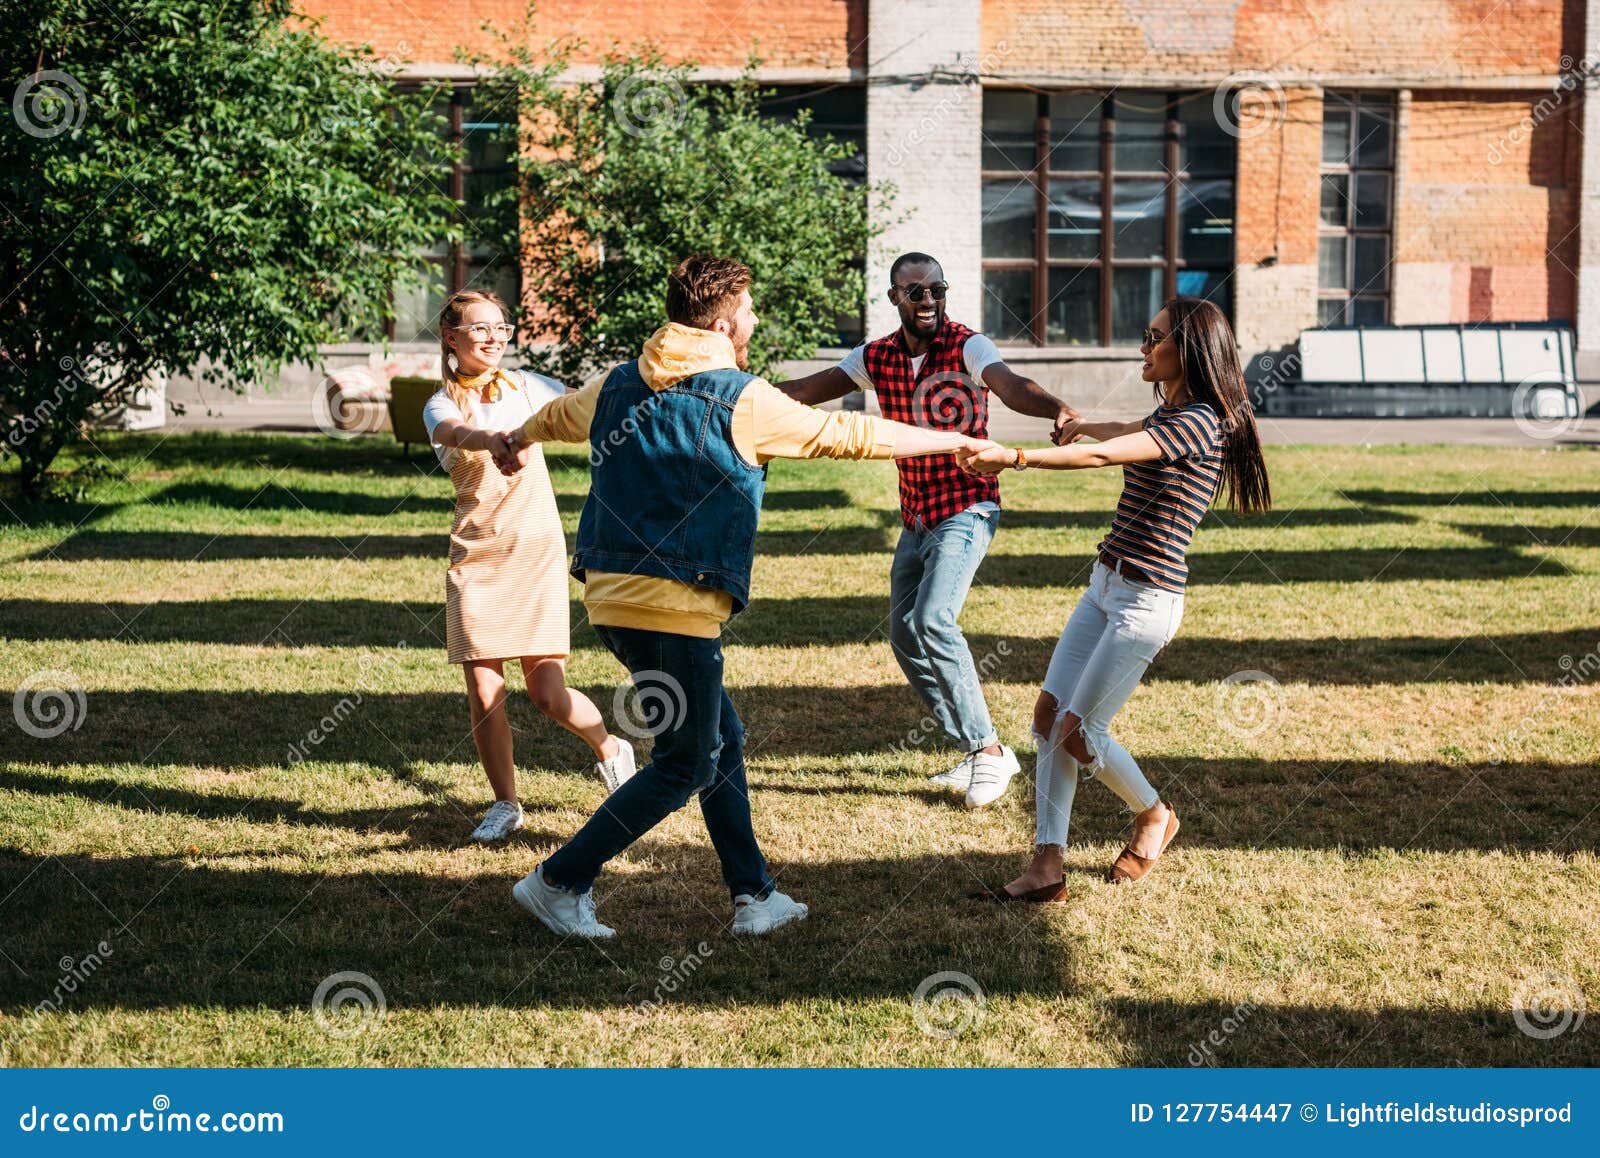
699 748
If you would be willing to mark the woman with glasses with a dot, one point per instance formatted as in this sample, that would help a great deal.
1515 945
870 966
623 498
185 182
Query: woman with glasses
506 589
1201 438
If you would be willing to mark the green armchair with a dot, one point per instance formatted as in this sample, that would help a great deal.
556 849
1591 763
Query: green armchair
407 396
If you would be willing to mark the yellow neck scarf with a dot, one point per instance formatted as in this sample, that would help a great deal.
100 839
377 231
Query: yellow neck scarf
488 383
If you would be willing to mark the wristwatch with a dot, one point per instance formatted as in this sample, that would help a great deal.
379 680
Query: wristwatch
1022 459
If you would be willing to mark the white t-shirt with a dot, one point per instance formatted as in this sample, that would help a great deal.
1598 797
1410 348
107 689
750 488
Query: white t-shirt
979 354
513 408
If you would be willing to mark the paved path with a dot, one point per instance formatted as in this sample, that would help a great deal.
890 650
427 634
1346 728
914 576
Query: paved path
294 416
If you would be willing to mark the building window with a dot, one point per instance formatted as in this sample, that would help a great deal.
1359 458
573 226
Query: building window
1097 207
1354 228
475 262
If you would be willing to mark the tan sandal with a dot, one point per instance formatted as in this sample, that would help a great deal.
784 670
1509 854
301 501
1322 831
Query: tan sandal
1130 866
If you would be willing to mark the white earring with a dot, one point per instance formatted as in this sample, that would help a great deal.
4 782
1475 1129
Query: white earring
451 360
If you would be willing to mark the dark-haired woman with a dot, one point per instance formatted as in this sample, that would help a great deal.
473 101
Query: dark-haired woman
1201 438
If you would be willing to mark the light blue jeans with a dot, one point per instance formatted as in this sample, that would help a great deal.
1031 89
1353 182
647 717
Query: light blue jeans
1112 636
928 584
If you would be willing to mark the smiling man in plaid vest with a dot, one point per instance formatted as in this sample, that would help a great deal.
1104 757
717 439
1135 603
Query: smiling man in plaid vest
936 373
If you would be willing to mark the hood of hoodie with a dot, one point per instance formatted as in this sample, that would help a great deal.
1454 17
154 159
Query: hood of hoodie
675 352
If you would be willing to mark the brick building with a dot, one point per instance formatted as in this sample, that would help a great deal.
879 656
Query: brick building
1073 161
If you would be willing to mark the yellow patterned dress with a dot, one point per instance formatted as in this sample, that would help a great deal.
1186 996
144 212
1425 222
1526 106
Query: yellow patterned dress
506 593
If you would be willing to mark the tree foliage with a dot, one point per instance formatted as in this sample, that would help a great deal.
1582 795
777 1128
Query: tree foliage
623 174
188 183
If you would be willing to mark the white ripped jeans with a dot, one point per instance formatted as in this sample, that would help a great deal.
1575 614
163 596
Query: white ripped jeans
1111 638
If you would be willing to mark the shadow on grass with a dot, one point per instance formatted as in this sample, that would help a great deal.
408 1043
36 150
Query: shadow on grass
1249 1033
1534 806
1511 657
1481 498
268 936
203 935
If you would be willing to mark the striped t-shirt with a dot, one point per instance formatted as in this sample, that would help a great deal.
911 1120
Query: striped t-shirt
1162 502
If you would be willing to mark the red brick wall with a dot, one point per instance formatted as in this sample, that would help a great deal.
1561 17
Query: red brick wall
1489 205
1446 39
802 34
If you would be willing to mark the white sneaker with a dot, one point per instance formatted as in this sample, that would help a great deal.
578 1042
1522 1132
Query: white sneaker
753 917
959 777
561 911
618 770
503 818
991 775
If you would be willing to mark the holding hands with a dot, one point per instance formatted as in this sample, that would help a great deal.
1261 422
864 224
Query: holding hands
985 457
511 450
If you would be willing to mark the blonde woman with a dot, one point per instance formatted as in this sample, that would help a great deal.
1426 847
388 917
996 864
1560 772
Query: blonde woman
506 589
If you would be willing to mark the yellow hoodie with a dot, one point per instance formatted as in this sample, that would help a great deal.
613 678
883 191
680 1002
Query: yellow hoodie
767 424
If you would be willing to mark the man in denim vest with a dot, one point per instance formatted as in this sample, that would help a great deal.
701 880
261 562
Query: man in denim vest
935 372
679 441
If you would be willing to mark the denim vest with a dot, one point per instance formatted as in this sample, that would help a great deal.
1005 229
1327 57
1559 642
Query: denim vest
669 494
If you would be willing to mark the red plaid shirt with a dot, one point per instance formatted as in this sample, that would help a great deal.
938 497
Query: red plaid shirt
941 395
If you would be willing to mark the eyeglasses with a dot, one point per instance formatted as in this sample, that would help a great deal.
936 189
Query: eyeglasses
482 331
1149 339
915 293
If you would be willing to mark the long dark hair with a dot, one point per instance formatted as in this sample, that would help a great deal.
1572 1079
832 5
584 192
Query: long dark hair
1209 356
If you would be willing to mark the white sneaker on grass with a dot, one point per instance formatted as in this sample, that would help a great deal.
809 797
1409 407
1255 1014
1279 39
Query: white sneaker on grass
991 775
959 777
753 918
618 770
561 910
502 820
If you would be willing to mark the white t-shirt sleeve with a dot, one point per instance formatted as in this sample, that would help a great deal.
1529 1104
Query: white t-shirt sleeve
855 364
979 354
540 390
437 409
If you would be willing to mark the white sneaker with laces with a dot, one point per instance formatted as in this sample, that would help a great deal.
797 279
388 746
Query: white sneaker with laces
959 777
991 775
753 918
502 820
562 911
618 770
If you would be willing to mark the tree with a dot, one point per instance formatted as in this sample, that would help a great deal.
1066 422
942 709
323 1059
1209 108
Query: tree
193 182
621 176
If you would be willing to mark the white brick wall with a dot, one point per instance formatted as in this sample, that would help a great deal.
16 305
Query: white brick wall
925 138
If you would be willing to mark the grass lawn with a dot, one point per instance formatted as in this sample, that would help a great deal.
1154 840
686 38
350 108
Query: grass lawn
1379 851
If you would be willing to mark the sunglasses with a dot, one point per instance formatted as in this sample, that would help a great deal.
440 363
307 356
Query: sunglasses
1149 339
915 293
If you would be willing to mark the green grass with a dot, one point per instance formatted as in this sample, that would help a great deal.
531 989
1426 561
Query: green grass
1368 880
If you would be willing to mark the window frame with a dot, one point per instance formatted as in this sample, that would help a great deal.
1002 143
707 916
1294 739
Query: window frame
1174 177
1352 169
456 261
